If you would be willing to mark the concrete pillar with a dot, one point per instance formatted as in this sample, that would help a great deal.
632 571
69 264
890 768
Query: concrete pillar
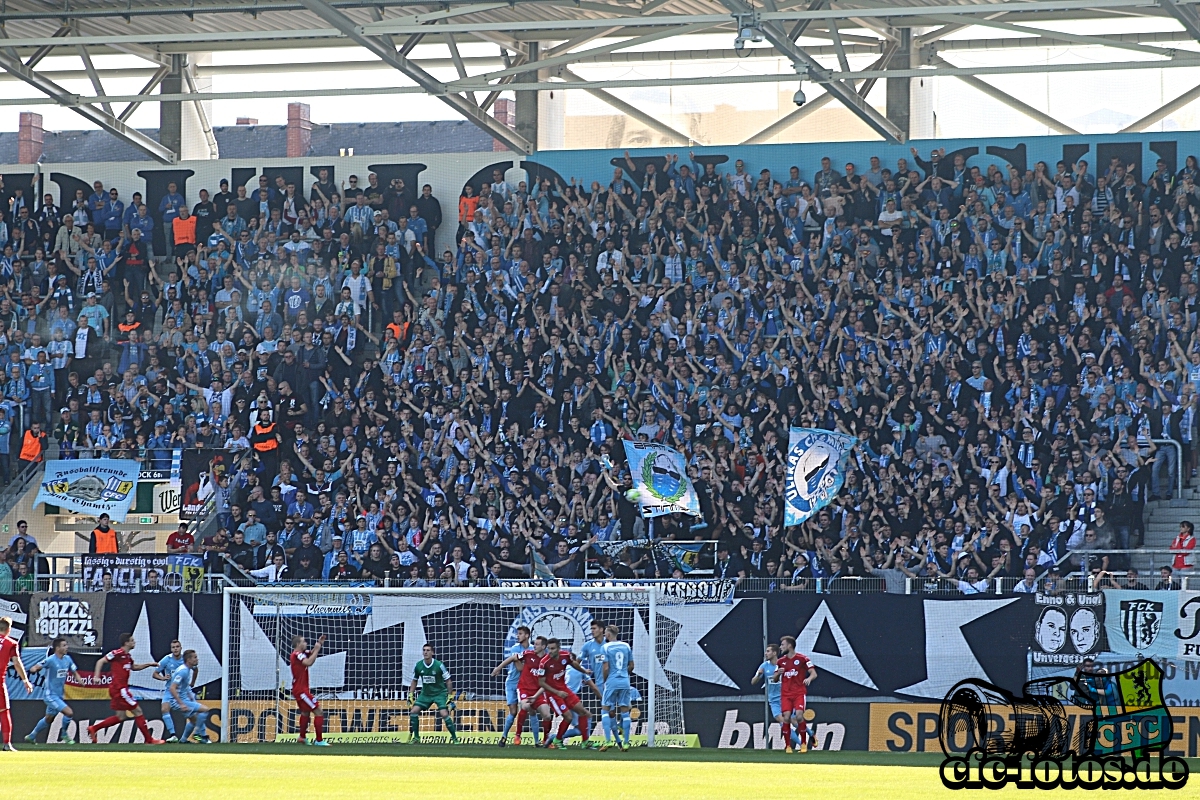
899 101
170 113
527 101
29 138
299 130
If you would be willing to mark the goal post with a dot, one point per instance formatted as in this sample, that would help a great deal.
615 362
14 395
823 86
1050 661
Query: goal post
374 637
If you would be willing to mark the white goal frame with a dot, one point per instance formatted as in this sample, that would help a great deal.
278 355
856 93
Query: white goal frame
642 595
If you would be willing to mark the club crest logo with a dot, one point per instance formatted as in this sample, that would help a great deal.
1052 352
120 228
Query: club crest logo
569 625
1141 621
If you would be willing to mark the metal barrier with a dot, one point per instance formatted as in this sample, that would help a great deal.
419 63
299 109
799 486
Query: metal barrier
66 575
852 584
1168 553
1179 465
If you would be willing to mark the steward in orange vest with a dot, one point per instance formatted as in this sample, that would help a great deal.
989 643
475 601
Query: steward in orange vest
104 538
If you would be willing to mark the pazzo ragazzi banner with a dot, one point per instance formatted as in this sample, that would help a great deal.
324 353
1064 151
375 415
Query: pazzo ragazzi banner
816 470
134 572
79 618
1069 628
92 486
660 481
1153 624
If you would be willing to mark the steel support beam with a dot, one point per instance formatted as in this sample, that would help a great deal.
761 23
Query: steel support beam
1184 15
836 36
1010 101
564 59
93 77
788 120
629 110
10 62
580 41
150 86
1163 111
205 125
844 93
798 29
426 81
1074 38
459 67
45 50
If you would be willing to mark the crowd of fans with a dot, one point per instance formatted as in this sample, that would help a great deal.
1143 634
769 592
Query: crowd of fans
1006 346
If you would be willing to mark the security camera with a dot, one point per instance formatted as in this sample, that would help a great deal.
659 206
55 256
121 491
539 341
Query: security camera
799 98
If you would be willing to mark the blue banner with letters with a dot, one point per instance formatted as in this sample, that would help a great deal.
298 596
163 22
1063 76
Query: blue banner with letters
816 470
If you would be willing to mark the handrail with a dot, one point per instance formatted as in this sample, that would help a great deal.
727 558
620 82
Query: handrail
1179 464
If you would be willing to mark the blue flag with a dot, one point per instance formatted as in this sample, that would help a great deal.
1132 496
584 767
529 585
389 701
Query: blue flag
91 486
684 556
660 481
816 470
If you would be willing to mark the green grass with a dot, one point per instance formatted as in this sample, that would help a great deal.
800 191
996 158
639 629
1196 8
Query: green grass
364 772
477 772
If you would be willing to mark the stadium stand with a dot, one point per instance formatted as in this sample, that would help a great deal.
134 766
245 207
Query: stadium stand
417 389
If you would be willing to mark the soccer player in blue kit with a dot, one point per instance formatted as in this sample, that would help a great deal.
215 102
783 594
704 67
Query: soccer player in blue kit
592 657
512 659
774 689
183 698
57 666
618 691
163 672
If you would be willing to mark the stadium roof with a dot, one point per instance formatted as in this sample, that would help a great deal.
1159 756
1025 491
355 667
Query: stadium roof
909 36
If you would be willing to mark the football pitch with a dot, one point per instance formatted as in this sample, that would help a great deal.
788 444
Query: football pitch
365 772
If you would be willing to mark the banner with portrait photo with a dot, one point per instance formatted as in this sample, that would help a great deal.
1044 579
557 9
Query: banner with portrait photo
91 486
199 473
816 471
660 481
1069 628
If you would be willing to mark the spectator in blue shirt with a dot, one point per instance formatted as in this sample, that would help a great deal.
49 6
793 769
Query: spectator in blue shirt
40 377
168 210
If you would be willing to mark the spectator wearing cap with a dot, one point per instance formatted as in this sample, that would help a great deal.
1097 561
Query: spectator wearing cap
307 567
94 315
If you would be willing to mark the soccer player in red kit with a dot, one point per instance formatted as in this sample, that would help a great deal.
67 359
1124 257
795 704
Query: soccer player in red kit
120 699
301 659
10 651
795 672
531 700
562 700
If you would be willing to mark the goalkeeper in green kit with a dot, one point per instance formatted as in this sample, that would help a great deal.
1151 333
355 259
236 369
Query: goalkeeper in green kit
435 685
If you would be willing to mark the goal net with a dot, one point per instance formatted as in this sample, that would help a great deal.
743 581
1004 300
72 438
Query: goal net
374 638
